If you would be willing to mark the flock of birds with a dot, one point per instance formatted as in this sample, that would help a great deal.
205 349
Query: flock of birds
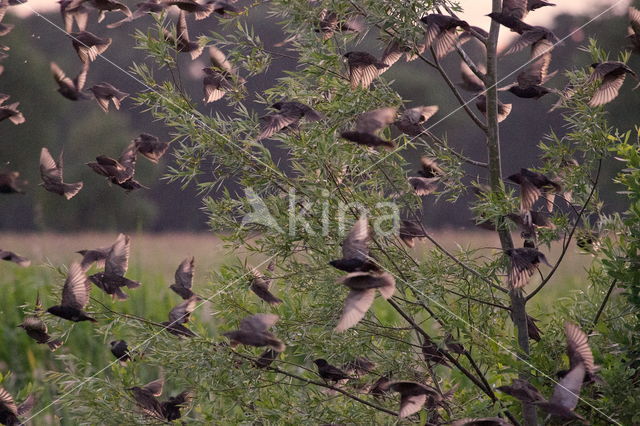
364 276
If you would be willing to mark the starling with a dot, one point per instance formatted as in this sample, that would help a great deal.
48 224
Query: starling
146 398
172 406
429 168
511 22
143 8
524 262
181 314
522 390
611 76
363 68
184 278
103 6
413 396
634 28
423 186
120 350
410 231
329 373
119 172
432 353
369 125
532 329
533 185
394 51
105 92
88 46
150 147
355 249
97 256
201 11
412 120
288 115
515 8
452 345
363 287
220 77
537 4
541 40
51 174
266 358
9 411
78 14
75 295
70 89
37 329
470 81
10 256
182 42
10 184
530 81
260 285
359 367
11 112
115 266
483 421
441 33
503 109
330 24
253 332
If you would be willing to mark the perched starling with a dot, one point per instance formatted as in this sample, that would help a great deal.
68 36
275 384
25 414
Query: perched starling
410 231
503 109
10 411
368 126
75 295
11 112
432 353
120 350
330 23
37 329
116 264
260 285
142 9
412 120
70 89
78 14
634 28
253 332
522 390
329 373
413 396
105 92
97 256
470 81
524 262
88 46
611 76
150 147
355 249
533 185
180 315
51 174
201 11
184 278
103 6
362 292
423 186
181 41
10 256
363 68
266 358
359 367
483 421
441 33
288 115
10 183
511 22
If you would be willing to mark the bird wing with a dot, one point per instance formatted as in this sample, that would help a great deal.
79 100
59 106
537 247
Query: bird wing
520 271
471 81
411 404
181 312
445 41
363 75
27 405
155 387
60 76
258 323
81 78
373 121
184 273
608 90
219 60
117 261
75 293
578 347
634 19
7 400
275 122
356 306
392 54
567 392
430 35
128 161
49 170
423 186
355 245
527 38
182 31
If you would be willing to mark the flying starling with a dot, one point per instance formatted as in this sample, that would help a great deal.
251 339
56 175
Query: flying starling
119 172
184 278
253 332
181 41
503 109
368 126
355 249
172 406
362 286
97 256
4 28
330 373
533 185
524 262
70 89
201 11
88 46
10 183
10 256
611 76
410 230
363 68
441 32
220 77
51 174
105 92
429 168
330 23
150 147
75 295
260 285
413 396
634 28
288 116
412 120
180 315
529 83
423 186
115 266
142 9
37 329
79 15
120 350
11 112
10 411
147 399
103 6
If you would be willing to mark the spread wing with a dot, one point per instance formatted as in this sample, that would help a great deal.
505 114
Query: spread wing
184 273
49 170
578 347
373 121
520 271
180 313
27 405
608 90
182 31
7 400
275 122
443 44
155 387
355 308
567 392
117 261
258 323
75 293
355 245
60 76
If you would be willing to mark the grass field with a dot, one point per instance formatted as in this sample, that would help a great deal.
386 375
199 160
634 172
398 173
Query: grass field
153 262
